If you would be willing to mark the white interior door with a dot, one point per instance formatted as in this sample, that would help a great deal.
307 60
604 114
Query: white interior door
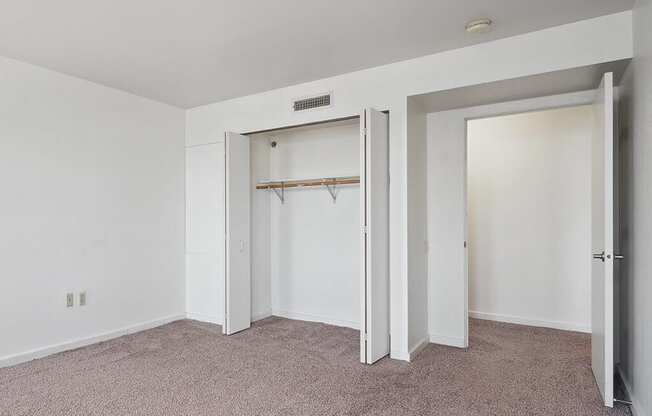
374 213
602 230
237 284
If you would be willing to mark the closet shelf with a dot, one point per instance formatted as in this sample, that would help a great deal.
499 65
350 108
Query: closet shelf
279 186
300 183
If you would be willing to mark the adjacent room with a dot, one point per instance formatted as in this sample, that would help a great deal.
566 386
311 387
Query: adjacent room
412 208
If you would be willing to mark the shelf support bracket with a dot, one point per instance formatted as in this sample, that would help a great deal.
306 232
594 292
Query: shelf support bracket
332 190
280 194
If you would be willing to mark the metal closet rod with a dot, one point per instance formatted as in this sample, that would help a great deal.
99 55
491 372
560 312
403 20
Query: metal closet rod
300 183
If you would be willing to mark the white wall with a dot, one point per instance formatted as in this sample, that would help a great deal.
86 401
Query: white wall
587 42
261 227
636 205
447 279
205 232
92 200
447 323
529 218
311 262
417 227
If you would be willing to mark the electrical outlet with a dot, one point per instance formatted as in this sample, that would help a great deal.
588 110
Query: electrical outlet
82 299
70 300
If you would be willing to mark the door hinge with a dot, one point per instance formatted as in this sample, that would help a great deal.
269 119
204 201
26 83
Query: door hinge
364 336
363 131
363 229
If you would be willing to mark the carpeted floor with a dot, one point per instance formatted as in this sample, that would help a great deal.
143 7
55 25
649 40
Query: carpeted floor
285 367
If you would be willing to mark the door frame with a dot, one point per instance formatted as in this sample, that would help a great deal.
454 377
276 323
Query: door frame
536 104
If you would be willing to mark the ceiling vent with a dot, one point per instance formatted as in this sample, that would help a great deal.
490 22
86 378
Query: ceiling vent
309 103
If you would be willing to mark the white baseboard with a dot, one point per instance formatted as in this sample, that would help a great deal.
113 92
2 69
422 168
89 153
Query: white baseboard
315 318
565 326
448 340
219 320
399 355
22 357
415 350
636 407
211 319
260 316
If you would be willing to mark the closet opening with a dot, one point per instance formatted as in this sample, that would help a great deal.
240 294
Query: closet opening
301 204
305 205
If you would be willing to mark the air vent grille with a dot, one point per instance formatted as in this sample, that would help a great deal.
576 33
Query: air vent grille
312 102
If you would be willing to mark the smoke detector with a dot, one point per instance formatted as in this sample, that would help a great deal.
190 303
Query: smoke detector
479 25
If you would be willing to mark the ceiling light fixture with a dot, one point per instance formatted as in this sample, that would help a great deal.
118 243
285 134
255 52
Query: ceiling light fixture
479 25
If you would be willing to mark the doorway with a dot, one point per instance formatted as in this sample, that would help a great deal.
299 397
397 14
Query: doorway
529 218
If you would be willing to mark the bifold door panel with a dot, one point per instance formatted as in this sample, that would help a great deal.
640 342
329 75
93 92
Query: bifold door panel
237 285
374 213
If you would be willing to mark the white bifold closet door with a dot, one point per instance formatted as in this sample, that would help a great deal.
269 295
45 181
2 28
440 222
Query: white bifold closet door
602 240
237 285
374 213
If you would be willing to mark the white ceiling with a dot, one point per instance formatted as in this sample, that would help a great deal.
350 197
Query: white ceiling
193 52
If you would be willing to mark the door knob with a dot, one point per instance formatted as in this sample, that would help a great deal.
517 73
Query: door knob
599 256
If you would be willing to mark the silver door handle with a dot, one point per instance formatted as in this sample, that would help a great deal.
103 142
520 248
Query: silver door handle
599 256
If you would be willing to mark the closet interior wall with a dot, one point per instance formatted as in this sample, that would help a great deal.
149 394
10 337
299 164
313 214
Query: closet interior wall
529 218
306 249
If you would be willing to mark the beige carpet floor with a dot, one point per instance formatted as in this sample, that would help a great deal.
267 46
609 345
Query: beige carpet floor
286 367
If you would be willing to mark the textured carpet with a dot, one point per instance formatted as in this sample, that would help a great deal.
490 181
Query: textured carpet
285 367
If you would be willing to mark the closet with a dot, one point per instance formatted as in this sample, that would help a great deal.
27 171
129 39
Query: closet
307 233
